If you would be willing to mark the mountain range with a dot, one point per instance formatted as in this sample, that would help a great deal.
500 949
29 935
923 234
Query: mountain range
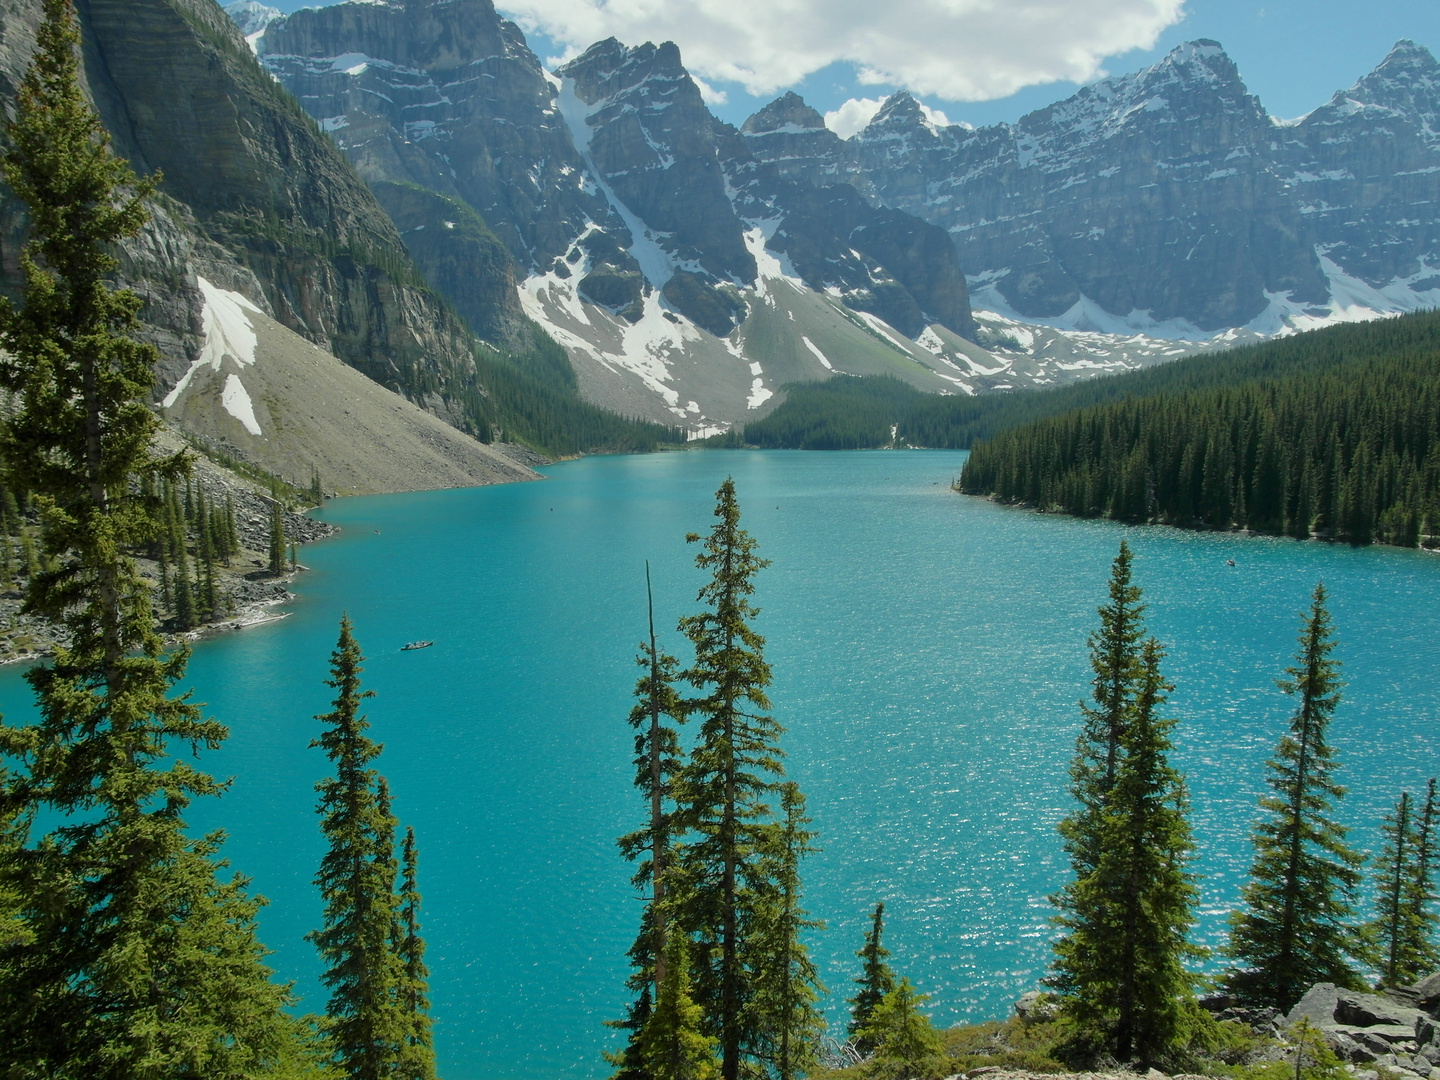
1144 217
404 185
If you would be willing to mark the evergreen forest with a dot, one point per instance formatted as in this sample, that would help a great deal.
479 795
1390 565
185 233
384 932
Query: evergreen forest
1335 434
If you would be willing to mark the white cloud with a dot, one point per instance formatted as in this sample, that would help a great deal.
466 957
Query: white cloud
935 116
959 50
852 116
708 93
857 112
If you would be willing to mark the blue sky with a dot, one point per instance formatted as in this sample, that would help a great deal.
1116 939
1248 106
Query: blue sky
1293 54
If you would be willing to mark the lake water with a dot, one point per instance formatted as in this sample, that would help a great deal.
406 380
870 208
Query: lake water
928 654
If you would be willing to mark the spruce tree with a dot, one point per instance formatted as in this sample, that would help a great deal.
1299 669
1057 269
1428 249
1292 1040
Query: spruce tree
906 1042
1115 659
1294 930
1421 946
876 980
786 983
1385 933
366 1027
732 770
1401 938
137 957
673 1045
657 761
1119 966
417 1051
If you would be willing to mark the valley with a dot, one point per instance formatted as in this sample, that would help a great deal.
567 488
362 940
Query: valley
641 715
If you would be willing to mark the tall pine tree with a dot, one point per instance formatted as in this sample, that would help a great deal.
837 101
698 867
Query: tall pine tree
417 1048
731 773
657 761
367 1026
1119 966
1400 939
136 958
876 980
1294 930
786 983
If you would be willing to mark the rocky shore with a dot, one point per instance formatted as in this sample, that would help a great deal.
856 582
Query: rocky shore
252 593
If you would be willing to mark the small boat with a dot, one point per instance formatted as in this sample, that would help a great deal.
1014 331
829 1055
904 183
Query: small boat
1229 562
409 645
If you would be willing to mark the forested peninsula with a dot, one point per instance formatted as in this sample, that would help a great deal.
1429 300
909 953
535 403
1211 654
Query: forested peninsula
1332 434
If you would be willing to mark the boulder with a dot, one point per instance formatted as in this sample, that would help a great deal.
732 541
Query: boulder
1426 993
1346 1048
1325 1005
1426 1031
1035 1007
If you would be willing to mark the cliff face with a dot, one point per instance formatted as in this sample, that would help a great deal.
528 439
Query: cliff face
1365 172
447 97
254 196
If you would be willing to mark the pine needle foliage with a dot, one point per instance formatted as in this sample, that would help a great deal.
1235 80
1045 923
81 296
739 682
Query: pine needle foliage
906 1042
673 1045
786 982
1115 658
876 980
732 771
657 711
1400 940
1295 928
1421 947
417 1049
1120 965
367 1028
133 957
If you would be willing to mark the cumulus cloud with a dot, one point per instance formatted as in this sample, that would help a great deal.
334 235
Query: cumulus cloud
852 116
935 116
857 112
959 50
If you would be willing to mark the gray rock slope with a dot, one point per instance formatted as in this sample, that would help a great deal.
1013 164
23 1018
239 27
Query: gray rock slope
262 393
255 198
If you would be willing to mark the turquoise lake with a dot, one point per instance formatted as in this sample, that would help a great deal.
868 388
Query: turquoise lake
928 654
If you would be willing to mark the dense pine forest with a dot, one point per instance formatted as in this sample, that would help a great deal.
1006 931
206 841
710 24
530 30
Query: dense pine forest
1333 434
850 413
531 397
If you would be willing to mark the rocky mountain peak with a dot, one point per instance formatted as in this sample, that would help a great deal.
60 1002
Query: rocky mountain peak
608 68
1406 83
901 116
1194 81
787 113
423 35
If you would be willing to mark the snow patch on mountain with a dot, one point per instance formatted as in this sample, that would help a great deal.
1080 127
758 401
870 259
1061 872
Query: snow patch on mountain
657 264
236 401
228 332
252 19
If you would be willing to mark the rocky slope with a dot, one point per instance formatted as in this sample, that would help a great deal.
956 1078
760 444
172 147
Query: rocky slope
263 394
259 186
1167 200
